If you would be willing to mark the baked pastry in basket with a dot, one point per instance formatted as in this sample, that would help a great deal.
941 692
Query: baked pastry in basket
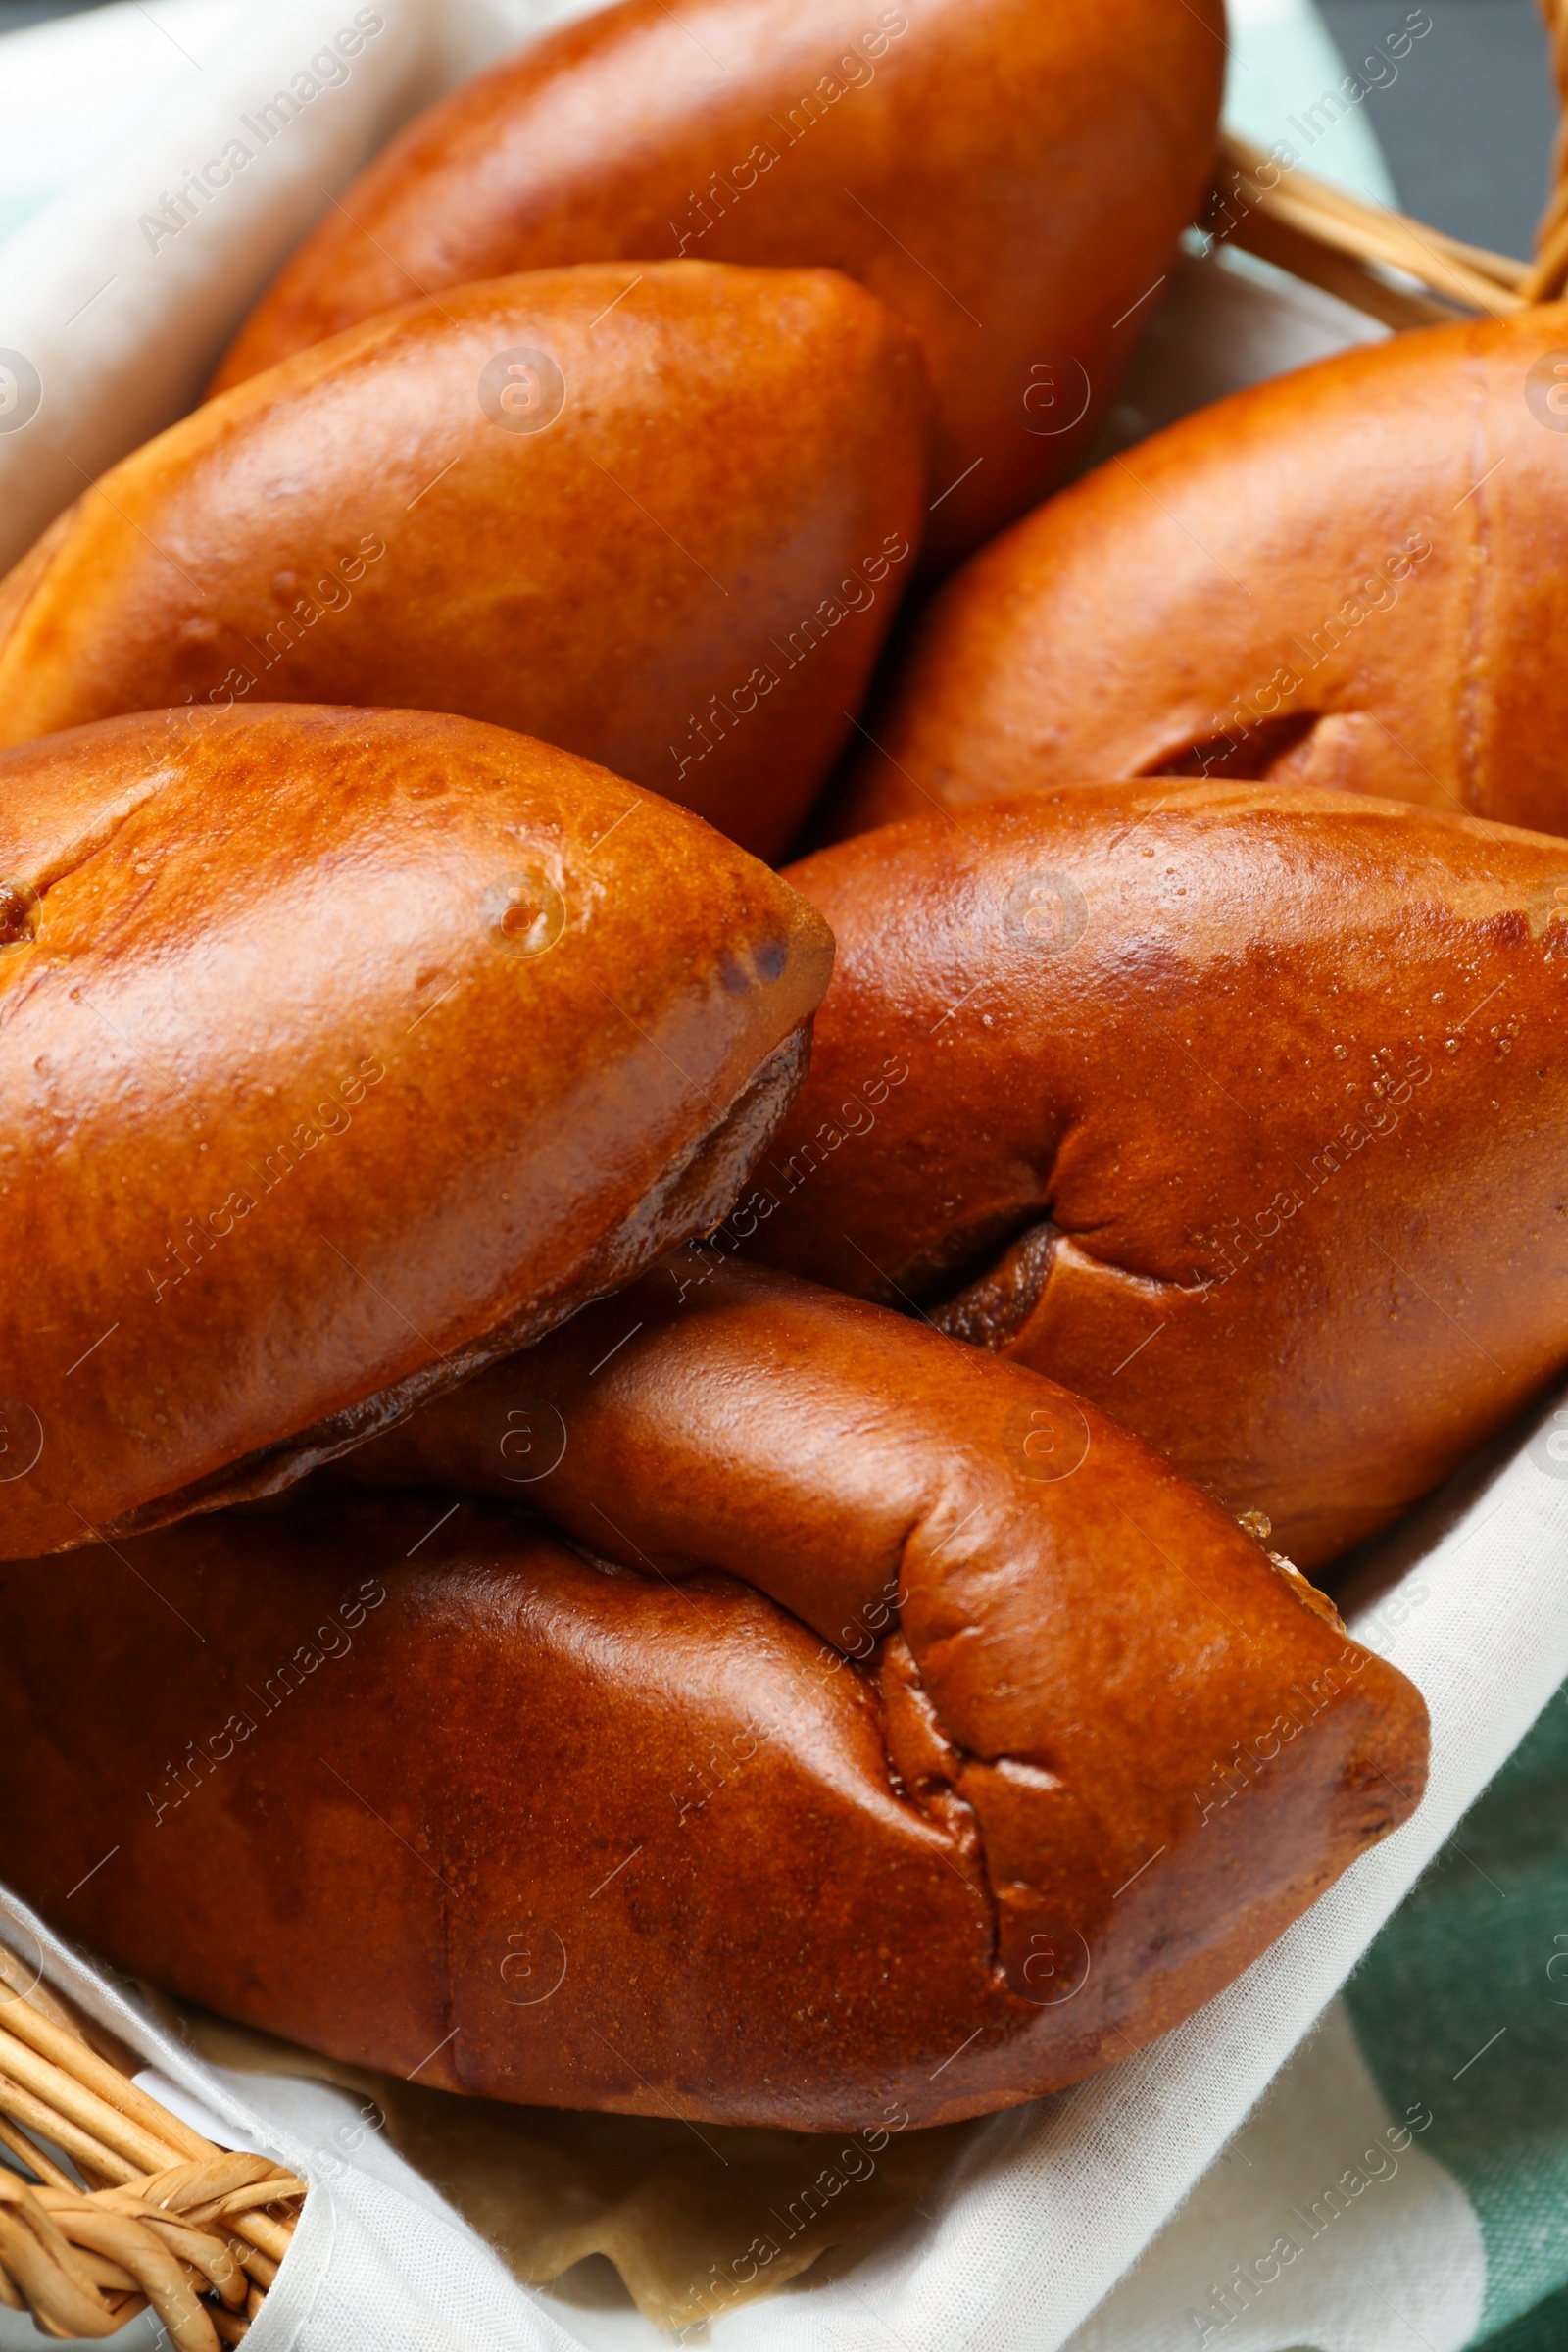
1011 179
661 518
1237 1110
1355 575
339 1052
862 1727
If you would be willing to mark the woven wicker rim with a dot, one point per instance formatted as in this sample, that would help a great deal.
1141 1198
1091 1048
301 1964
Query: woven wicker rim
155 2214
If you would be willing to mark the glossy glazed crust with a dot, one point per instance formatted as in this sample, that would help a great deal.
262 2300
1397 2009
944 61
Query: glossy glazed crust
1238 1111
642 1839
1008 177
684 575
1356 575
338 1049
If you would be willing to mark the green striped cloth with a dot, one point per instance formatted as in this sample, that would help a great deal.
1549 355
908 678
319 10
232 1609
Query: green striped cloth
1404 2185
1461 2006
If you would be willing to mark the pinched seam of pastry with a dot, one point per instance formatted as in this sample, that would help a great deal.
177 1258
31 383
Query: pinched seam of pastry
1248 756
919 1546
931 1781
932 1787
957 1280
712 1166
868 1678
914 1788
909 1782
992 1310
995 1311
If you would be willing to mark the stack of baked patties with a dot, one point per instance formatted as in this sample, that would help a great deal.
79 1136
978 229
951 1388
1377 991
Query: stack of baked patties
640 1482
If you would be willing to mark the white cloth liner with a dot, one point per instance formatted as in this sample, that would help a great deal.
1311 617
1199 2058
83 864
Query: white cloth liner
1052 2203
1404 2266
123 325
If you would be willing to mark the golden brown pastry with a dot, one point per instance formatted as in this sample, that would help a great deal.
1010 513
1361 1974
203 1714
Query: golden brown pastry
339 1052
1356 575
659 517
929 1745
1009 177
1238 1112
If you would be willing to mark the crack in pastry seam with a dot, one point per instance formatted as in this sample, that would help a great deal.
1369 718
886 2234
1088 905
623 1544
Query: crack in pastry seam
966 1305
986 1890
1153 1282
20 979
957 1858
966 1755
94 839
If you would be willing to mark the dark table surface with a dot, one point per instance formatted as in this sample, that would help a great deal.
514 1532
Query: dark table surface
1468 127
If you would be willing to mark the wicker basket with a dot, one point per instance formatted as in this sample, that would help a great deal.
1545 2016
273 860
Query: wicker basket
155 2214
